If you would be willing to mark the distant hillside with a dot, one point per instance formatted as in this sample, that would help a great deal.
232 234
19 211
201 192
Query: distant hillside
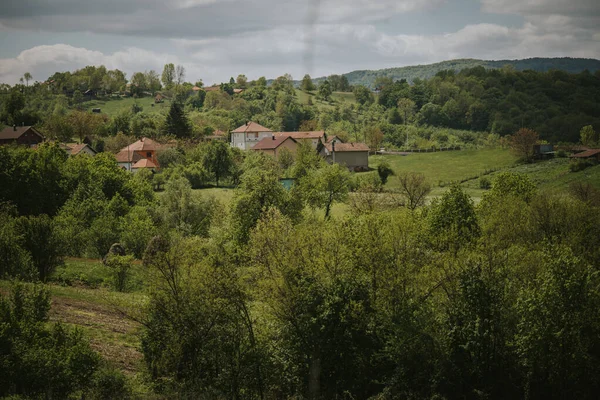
410 73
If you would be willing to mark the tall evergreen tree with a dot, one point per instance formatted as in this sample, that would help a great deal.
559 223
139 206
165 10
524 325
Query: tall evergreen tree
177 123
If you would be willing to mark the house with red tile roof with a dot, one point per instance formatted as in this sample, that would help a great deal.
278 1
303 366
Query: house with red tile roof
143 163
590 154
144 148
275 144
25 135
80 148
248 135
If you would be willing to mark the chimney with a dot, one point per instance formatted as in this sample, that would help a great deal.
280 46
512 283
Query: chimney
15 127
273 137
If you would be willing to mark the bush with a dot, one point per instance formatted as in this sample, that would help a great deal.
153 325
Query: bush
485 183
579 165
120 267
109 383
561 154
384 172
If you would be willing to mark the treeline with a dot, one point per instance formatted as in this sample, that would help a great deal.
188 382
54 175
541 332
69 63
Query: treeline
271 296
411 73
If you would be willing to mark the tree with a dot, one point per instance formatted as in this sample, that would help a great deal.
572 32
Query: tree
179 74
85 123
168 75
407 109
522 144
42 241
589 137
307 84
414 188
325 90
217 159
374 137
27 77
152 80
241 82
177 123
384 171
363 95
326 185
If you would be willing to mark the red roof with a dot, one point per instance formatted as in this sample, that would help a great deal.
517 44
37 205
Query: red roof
125 156
251 127
144 144
271 143
75 148
587 153
344 147
16 132
196 88
303 135
144 163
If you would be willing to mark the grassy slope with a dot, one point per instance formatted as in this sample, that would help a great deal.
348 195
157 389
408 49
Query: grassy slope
115 105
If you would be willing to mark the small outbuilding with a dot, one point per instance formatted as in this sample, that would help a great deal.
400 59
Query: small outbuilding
355 156
590 154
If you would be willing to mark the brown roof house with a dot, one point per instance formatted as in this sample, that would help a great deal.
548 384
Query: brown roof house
275 144
25 135
355 156
83 148
144 148
315 138
249 134
591 154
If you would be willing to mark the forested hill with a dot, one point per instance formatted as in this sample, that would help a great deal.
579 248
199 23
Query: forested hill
410 73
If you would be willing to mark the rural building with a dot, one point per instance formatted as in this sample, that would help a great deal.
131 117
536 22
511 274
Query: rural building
249 134
143 163
275 144
315 138
75 148
355 156
591 154
144 148
217 135
543 151
25 135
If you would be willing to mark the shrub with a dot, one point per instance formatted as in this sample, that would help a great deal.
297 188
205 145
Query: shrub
120 267
485 183
579 165
561 154
109 383
384 172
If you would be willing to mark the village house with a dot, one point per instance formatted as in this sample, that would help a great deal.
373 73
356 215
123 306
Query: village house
315 138
23 135
83 148
248 135
144 163
144 148
275 144
590 154
355 156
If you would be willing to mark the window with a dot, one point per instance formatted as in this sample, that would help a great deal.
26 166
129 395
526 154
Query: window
148 155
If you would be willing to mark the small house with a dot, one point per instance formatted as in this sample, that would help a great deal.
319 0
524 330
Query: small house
355 156
144 148
591 154
23 135
248 135
143 163
275 144
83 148
315 138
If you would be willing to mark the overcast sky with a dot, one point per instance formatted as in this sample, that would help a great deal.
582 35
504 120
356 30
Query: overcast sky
217 39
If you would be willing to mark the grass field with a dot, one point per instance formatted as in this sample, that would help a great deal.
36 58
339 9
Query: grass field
115 105
337 98
443 168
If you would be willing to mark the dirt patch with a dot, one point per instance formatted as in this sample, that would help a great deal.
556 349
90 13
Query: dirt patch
111 333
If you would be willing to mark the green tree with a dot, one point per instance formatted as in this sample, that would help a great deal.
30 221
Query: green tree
325 90
307 84
363 95
588 136
217 159
41 240
168 75
407 109
384 171
326 185
27 78
177 123
119 267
